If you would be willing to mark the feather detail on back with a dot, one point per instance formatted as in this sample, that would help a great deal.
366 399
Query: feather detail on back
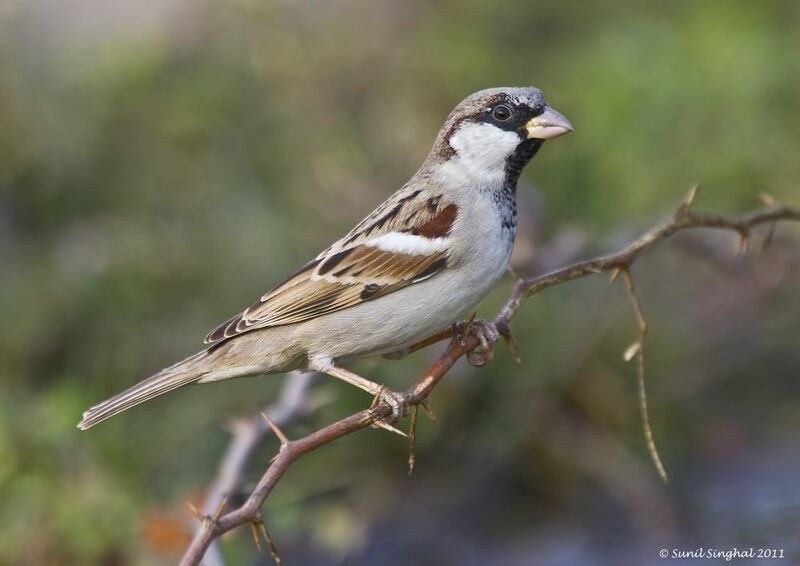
404 241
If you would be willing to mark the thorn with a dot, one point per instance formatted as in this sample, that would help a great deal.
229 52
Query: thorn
260 526
204 519
614 274
254 532
744 242
631 351
390 428
275 457
193 510
686 204
429 412
377 398
412 437
467 328
765 243
278 432
220 508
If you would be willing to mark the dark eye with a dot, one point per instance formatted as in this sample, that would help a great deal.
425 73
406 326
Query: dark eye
501 113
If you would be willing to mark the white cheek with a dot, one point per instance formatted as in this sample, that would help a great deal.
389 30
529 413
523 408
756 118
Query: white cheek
483 148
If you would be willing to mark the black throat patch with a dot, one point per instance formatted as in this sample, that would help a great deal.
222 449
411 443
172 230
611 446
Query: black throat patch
517 161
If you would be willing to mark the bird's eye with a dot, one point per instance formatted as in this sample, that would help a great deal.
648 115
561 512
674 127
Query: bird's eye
501 113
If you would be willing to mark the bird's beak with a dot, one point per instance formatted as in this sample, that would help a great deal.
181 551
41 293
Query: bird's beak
547 125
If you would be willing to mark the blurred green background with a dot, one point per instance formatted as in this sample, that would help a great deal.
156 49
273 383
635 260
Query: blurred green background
162 163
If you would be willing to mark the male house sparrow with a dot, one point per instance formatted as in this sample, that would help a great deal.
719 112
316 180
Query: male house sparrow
411 268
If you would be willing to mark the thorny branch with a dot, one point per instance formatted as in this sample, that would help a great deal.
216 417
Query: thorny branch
246 435
618 263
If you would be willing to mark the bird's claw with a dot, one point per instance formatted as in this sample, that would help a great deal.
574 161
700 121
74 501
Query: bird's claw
504 328
487 334
397 401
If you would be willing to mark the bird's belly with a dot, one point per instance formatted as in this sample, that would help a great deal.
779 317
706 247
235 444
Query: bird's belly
395 321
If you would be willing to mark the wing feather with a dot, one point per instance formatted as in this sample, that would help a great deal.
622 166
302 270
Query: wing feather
403 242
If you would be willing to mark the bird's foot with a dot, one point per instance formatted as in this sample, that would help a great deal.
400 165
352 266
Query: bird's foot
398 402
487 334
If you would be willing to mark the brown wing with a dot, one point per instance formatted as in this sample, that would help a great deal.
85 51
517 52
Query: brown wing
354 270
342 280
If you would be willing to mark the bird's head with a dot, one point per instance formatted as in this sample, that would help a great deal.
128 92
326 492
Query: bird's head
493 133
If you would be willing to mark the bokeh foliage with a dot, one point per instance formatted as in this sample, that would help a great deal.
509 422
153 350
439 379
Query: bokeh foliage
162 164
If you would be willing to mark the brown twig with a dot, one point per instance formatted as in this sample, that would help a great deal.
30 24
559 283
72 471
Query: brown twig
636 350
619 262
246 435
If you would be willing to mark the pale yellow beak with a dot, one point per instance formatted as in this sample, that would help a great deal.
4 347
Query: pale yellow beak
548 125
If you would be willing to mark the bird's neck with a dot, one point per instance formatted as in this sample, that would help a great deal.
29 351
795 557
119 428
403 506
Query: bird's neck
517 161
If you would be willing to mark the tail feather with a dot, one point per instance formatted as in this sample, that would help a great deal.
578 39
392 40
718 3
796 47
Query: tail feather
183 373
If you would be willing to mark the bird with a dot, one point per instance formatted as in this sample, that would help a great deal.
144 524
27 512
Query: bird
414 266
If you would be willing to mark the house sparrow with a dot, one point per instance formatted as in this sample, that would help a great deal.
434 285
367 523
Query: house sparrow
412 267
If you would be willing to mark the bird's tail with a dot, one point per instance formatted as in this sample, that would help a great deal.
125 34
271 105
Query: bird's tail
183 373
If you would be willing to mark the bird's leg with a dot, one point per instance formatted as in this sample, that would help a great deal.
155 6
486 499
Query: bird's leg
487 334
396 400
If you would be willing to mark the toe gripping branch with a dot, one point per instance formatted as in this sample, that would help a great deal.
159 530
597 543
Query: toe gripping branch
487 333
402 404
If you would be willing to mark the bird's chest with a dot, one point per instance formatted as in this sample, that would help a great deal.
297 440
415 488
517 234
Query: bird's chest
487 238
